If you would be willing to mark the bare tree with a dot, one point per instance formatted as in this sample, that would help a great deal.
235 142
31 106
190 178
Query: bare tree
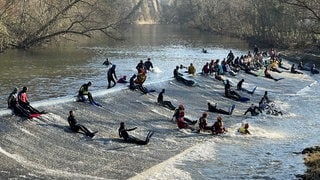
29 23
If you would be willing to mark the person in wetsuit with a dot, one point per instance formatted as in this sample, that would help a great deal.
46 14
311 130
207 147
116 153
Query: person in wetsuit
294 71
84 91
140 66
132 86
219 126
23 101
253 110
112 76
15 106
230 93
74 126
203 123
213 108
164 103
244 129
123 133
148 65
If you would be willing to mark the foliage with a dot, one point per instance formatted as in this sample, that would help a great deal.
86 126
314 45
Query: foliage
29 23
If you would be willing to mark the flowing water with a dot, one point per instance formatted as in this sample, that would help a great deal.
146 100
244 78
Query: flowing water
269 153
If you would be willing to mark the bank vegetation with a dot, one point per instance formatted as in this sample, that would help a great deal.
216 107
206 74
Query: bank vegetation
272 23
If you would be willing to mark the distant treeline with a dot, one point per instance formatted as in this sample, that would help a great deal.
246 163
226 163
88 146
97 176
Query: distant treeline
272 23
277 23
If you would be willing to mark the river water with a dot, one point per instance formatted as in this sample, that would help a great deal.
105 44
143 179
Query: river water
270 153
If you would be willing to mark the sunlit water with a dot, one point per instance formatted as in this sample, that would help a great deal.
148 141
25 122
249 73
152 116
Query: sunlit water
269 153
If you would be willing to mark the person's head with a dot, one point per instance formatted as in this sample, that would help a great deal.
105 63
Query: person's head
252 105
177 67
122 125
219 118
205 114
181 107
134 76
149 59
25 89
15 90
246 125
266 93
113 66
242 80
124 77
71 113
163 90
89 83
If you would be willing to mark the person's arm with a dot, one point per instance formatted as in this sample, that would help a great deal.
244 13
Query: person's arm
131 129
247 111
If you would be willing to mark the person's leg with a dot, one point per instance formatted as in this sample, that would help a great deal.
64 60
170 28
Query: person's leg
190 121
169 105
90 98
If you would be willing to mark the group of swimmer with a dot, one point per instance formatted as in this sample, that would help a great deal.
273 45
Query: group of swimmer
19 103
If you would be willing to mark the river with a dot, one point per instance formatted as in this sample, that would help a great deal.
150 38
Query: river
270 153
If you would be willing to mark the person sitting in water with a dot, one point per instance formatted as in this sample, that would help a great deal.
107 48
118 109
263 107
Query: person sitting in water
294 71
84 91
214 109
167 104
148 65
203 123
14 105
204 50
268 75
300 66
23 101
314 70
191 69
78 127
230 93
107 62
132 86
141 77
123 133
123 80
112 76
206 69
244 129
179 113
253 110
176 72
219 126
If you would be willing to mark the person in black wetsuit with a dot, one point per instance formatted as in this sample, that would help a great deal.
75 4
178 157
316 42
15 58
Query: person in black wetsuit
123 132
213 108
230 93
84 91
164 103
179 77
132 85
78 127
294 71
107 62
14 105
253 110
239 85
148 65
112 76
140 66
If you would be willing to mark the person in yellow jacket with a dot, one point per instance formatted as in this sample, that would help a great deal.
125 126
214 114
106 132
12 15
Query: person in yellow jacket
191 69
244 129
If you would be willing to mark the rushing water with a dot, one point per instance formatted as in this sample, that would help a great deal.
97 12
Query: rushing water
268 154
